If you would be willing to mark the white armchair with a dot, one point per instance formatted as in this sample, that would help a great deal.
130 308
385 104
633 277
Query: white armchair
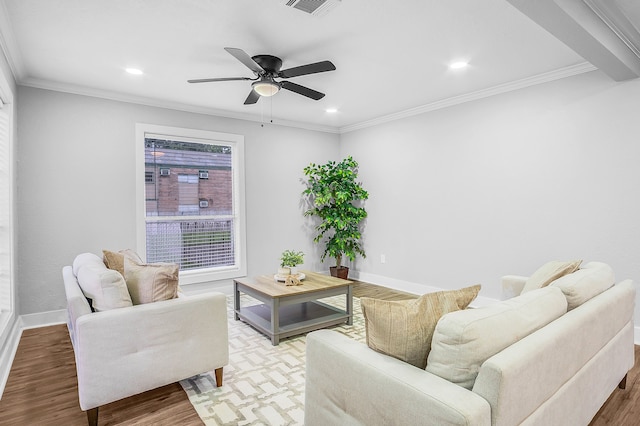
126 351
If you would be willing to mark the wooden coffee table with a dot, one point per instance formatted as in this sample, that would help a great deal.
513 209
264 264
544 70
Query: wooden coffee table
291 310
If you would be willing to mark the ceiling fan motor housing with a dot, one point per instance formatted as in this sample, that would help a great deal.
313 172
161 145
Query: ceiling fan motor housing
271 64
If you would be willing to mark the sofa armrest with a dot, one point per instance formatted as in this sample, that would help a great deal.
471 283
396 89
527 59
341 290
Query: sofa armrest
512 285
349 384
123 352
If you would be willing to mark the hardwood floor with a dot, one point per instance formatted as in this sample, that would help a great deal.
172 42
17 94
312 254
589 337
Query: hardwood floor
42 386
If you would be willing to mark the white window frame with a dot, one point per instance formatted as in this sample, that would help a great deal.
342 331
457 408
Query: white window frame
8 248
236 142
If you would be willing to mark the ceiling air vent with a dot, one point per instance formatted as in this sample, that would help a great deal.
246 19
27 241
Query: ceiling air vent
313 7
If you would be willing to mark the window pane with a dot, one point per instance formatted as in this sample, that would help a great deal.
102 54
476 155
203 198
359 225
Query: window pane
193 244
194 181
191 179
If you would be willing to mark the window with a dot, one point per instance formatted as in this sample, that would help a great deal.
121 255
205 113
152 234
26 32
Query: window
6 208
192 206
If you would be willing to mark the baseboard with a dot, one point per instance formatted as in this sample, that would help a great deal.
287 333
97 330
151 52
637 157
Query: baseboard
43 319
9 352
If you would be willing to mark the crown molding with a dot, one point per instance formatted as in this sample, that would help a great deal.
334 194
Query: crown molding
8 44
158 103
444 103
558 74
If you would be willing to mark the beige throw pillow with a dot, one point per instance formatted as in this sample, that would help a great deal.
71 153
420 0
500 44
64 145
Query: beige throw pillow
548 273
115 260
151 282
403 329
147 282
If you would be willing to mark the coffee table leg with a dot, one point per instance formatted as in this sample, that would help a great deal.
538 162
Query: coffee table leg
349 305
275 321
236 300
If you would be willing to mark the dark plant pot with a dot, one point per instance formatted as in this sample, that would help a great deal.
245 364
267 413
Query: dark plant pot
341 272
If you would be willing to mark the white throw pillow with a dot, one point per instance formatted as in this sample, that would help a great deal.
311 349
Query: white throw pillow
463 340
105 287
85 259
585 283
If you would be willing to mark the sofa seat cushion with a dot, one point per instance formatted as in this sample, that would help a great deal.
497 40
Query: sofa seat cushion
105 287
403 329
585 283
463 340
550 272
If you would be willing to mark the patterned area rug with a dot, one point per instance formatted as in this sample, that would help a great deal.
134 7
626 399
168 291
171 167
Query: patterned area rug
263 384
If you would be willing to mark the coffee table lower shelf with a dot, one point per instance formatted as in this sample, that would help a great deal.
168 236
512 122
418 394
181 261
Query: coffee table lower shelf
294 319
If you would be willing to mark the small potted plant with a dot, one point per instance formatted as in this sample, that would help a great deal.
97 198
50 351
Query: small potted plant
289 261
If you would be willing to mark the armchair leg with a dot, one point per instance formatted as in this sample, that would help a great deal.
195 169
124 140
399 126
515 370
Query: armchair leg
92 417
623 382
218 373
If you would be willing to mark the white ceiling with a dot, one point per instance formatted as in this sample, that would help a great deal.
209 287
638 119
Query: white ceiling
391 57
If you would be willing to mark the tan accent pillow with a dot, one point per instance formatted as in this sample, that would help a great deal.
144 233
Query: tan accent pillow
151 282
403 329
548 273
115 260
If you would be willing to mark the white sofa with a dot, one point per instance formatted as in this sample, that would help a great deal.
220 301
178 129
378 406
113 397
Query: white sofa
125 351
560 374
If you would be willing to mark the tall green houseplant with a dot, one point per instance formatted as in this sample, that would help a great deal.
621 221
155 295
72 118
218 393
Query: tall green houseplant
335 197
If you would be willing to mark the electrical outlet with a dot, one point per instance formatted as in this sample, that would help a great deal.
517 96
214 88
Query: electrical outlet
383 258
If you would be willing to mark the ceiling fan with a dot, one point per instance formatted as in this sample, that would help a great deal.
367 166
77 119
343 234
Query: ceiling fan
266 69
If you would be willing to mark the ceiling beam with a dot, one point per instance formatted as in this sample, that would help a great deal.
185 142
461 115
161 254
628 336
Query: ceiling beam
576 24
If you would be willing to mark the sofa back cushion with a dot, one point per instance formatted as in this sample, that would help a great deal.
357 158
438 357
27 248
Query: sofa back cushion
106 288
585 283
463 340
550 272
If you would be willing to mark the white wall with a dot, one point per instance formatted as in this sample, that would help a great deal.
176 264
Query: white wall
76 184
501 185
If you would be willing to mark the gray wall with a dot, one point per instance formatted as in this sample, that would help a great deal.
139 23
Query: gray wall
459 196
501 185
76 184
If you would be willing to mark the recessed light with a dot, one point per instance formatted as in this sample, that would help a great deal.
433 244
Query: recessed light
458 65
331 110
134 71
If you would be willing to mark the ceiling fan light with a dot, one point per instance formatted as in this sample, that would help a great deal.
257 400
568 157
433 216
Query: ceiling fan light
266 88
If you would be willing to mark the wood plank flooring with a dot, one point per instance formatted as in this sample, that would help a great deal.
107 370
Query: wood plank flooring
42 386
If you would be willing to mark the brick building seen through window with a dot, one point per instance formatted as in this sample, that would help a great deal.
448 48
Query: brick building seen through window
189 204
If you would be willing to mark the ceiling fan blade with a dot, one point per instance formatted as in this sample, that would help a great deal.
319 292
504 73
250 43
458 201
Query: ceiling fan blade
207 80
252 98
301 90
243 57
307 69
